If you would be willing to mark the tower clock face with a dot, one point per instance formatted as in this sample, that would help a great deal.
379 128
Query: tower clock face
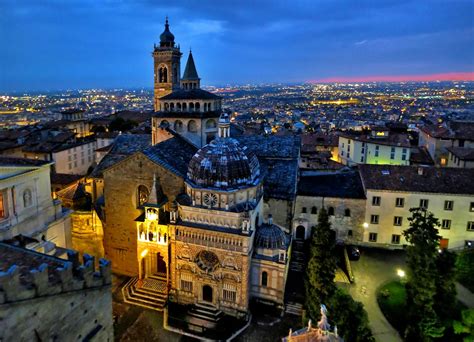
210 199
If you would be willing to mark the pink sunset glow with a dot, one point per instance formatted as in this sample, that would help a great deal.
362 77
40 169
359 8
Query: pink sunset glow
449 76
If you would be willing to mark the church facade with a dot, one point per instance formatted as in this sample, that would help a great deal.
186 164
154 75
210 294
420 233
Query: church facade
188 216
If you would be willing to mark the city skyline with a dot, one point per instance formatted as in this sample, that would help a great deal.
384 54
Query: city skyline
108 44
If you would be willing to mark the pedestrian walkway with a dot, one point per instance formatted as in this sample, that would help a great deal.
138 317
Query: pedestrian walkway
465 296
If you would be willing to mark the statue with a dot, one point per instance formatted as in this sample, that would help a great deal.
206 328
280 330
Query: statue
323 322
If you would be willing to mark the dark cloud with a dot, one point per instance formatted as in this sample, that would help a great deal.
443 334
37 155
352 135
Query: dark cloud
51 44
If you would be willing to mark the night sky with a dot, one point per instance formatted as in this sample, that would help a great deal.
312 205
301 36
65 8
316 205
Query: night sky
71 44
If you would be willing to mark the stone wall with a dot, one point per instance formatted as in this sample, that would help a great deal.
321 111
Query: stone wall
121 208
73 309
341 223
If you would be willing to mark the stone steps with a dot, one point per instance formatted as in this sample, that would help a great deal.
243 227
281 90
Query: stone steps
147 298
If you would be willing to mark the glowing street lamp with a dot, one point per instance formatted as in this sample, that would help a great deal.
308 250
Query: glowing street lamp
365 225
401 273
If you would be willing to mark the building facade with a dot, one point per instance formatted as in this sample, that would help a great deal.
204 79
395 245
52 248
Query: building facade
392 191
380 146
27 207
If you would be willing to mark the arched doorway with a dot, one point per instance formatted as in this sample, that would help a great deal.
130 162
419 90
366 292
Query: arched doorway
300 232
160 264
207 293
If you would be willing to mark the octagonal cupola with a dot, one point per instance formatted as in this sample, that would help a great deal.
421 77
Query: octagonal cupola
224 164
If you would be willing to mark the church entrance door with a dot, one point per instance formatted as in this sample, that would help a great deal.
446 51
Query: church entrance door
207 293
160 265
300 233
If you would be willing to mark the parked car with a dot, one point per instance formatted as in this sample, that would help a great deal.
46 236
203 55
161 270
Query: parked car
353 253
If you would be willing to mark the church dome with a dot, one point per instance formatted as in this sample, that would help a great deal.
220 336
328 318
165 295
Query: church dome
224 164
270 236
167 36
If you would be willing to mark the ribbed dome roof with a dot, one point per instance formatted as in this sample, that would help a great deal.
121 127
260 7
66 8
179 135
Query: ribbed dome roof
270 236
224 164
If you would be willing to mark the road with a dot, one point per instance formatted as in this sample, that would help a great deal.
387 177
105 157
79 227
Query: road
375 268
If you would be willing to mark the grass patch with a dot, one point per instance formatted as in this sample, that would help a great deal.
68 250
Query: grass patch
392 300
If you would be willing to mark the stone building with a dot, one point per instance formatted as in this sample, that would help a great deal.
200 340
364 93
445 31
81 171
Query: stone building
343 197
27 207
44 298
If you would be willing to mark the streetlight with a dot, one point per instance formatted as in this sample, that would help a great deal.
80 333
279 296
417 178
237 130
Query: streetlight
401 273
365 225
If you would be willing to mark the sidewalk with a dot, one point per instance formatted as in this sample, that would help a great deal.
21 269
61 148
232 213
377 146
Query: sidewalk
465 296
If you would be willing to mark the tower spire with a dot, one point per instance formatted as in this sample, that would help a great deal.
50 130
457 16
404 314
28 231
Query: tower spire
190 79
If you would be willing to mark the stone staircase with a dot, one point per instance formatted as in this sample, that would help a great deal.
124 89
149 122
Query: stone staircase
204 315
150 293
294 294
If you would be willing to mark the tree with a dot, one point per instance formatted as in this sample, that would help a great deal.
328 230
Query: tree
321 269
422 253
350 318
445 298
465 268
466 327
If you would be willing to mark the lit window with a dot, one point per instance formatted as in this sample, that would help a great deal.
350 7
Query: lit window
448 205
374 219
373 237
186 285
395 239
3 213
446 224
471 207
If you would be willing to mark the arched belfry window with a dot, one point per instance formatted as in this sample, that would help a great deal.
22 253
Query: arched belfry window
27 198
142 195
264 279
163 74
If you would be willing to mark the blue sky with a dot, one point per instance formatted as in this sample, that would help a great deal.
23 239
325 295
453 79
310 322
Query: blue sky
53 44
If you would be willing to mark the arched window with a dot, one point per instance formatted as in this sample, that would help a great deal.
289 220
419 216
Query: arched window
197 106
303 210
211 123
172 106
191 107
184 107
192 126
314 210
163 74
27 198
164 124
331 211
178 106
178 125
142 195
347 212
264 279
167 106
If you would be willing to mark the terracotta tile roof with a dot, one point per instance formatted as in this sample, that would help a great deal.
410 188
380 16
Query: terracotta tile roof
417 179
463 153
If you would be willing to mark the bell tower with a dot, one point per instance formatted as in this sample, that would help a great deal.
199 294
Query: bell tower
167 66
